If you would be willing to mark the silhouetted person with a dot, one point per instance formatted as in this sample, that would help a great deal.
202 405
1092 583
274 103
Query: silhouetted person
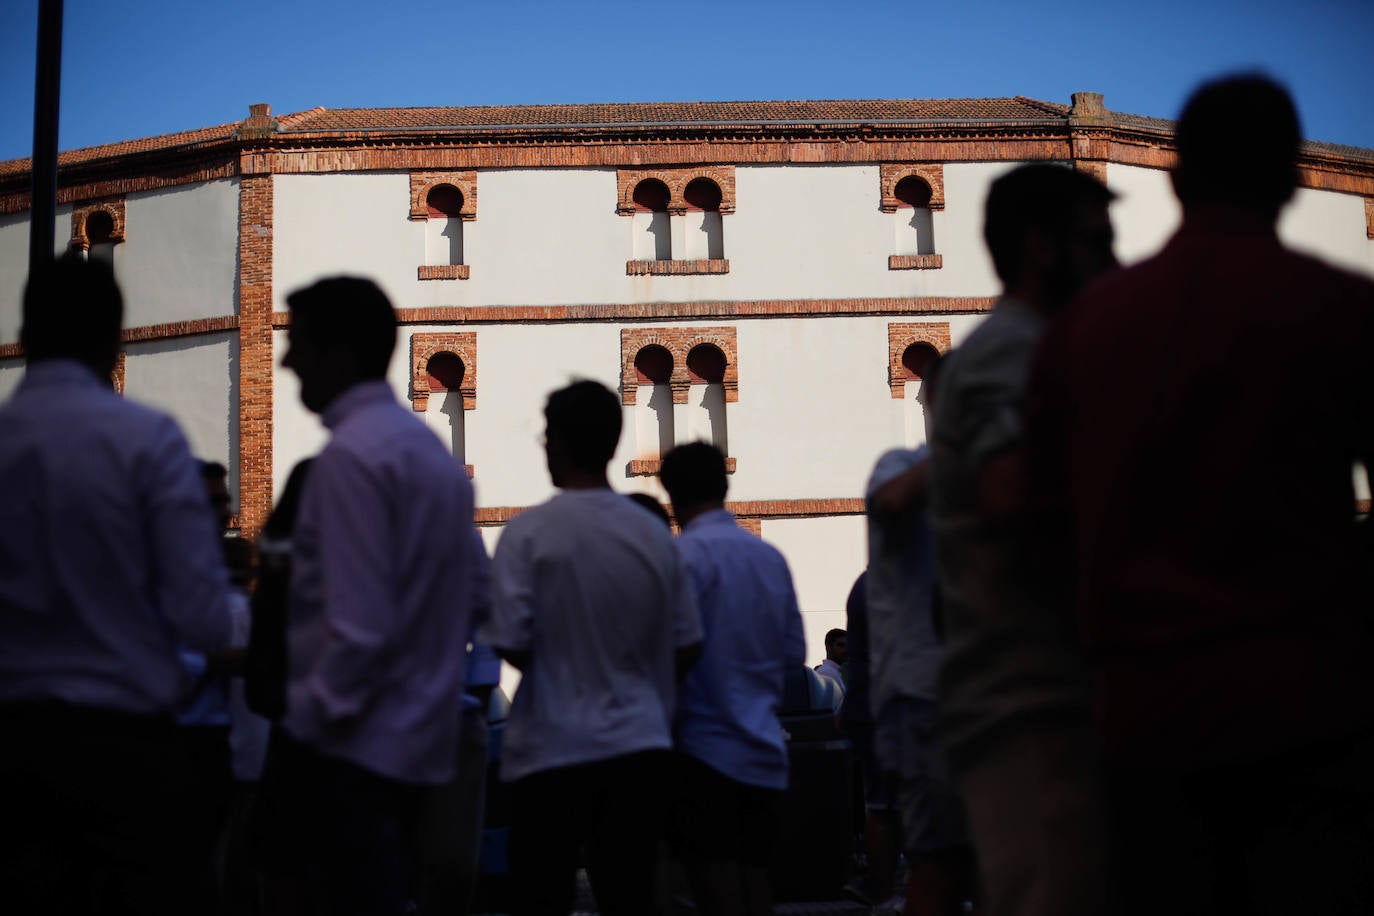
109 560
1013 704
1207 505
905 652
378 620
732 757
593 605
836 654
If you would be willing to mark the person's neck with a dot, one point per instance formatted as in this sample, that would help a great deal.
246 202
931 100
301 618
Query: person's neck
1030 293
577 479
690 512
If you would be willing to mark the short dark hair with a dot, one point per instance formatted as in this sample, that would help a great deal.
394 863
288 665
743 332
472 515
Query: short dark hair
652 506
585 418
72 309
833 635
1039 197
213 470
352 313
694 474
1212 169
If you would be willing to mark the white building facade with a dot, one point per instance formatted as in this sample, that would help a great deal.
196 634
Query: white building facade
768 276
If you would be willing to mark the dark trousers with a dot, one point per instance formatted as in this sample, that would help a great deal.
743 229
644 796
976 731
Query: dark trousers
96 809
1292 834
449 833
335 836
615 808
212 779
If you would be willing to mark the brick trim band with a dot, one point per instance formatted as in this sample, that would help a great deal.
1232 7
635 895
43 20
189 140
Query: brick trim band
677 268
901 335
915 261
745 509
424 347
444 272
647 467
714 309
172 329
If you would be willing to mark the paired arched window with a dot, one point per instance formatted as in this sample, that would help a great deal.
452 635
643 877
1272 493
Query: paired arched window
915 229
652 227
444 226
705 238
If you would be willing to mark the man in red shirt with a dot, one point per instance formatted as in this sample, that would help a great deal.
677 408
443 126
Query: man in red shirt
1193 422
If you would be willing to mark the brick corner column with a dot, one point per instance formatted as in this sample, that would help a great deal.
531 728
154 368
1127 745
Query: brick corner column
255 352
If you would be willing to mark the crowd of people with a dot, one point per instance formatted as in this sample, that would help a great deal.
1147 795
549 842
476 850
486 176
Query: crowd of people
1109 654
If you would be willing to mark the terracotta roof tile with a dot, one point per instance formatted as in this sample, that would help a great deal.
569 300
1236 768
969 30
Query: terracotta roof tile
667 113
126 147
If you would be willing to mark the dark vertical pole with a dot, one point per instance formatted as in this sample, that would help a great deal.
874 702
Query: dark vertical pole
46 95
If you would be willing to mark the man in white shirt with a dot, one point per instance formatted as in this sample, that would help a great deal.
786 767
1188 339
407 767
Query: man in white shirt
836 654
592 603
380 600
109 559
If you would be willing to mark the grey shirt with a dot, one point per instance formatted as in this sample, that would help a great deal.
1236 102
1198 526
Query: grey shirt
1007 659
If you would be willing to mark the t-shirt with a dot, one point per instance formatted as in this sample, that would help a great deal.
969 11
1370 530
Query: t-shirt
1007 656
903 648
594 589
1195 418
727 714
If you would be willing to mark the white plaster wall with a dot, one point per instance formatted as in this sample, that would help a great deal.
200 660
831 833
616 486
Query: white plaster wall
825 555
346 224
179 260
552 236
1145 214
195 379
14 265
1330 226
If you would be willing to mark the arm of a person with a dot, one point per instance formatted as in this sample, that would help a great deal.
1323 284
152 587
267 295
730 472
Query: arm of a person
509 630
687 632
484 665
359 587
192 581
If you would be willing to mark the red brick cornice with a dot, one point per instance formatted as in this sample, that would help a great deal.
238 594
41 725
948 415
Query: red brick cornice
192 328
743 509
660 311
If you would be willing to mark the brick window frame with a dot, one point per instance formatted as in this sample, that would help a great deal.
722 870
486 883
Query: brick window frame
421 183
677 179
890 175
679 342
114 206
1369 217
423 347
117 374
901 335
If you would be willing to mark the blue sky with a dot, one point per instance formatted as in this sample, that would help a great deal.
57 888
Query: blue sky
143 68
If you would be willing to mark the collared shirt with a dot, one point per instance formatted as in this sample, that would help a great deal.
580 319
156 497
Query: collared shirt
904 650
593 588
1007 658
108 551
1194 419
727 712
381 593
